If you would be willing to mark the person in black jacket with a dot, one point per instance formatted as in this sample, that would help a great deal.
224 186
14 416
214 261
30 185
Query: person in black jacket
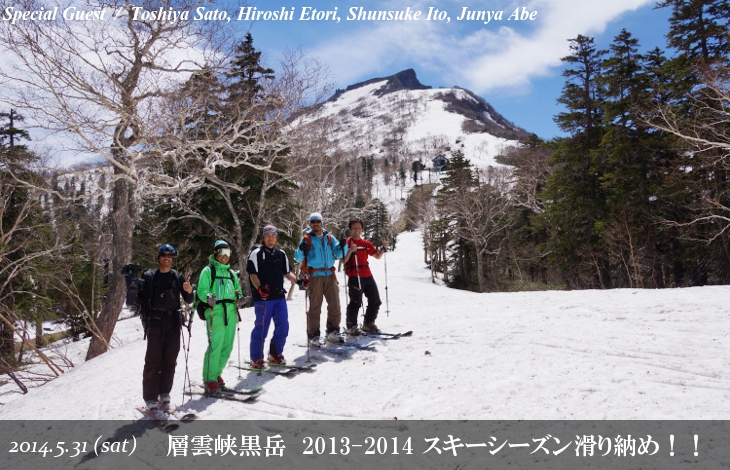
267 267
159 302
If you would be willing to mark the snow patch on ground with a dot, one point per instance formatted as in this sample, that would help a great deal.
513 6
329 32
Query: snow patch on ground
613 354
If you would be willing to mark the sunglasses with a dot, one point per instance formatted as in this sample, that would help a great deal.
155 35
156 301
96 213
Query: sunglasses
166 255
224 252
315 221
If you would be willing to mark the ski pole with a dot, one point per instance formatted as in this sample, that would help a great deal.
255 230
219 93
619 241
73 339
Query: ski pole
187 311
185 378
306 312
186 353
190 339
343 244
359 287
209 332
385 263
237 296
263 337
344 282
238 334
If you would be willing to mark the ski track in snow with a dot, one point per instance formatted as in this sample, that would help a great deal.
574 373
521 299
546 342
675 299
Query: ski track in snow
614 354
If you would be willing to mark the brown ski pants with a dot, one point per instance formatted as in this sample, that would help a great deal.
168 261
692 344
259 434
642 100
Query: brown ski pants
323 287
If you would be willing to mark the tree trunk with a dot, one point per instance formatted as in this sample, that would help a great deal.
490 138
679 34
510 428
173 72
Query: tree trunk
480 270
444 263
246 286
657 272
432 265
678 273
725 259
122 228
7 350
39 343
7 340
243 277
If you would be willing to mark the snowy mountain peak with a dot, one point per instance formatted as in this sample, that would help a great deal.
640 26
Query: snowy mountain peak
392 133
480 116
403 80
404 120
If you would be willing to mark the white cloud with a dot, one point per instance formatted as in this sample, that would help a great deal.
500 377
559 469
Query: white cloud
533 55
499 55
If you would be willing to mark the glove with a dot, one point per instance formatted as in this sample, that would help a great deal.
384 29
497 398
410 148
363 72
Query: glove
304 246
264 292
303 283
211 300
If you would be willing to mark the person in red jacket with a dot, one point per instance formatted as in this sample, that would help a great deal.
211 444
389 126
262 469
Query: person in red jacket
360 280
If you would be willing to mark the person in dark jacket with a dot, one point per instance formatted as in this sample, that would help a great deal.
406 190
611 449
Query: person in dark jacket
267 267
159 303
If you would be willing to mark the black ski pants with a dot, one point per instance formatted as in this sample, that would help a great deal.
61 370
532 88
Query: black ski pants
163 346
356 290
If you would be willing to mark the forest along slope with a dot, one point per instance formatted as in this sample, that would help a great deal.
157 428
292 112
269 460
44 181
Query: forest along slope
615 354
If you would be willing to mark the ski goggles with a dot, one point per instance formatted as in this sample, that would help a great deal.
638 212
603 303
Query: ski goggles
224 252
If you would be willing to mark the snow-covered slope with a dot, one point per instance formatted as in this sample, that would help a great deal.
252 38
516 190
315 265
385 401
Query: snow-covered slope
615 354
397 115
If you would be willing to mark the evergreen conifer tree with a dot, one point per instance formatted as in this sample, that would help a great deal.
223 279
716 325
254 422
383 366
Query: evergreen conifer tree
699 28
577 200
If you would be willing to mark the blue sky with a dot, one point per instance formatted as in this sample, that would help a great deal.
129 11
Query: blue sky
514 65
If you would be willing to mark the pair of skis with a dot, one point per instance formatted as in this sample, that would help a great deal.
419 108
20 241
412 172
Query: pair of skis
350 346
232 394
336 348
386 336
358 345
279 369
172 422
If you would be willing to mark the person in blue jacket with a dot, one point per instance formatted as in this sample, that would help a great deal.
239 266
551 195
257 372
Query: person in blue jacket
318 250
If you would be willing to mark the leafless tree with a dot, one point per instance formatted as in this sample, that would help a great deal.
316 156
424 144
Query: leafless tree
270 120
113 90
426 208
319 172
19 251
530 175
622 244
705 134
482 214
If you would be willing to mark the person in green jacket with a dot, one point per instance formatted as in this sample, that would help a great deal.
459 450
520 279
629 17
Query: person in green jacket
221 316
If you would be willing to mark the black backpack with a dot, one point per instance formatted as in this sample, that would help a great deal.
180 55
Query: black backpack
201 306
134 284
146 285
